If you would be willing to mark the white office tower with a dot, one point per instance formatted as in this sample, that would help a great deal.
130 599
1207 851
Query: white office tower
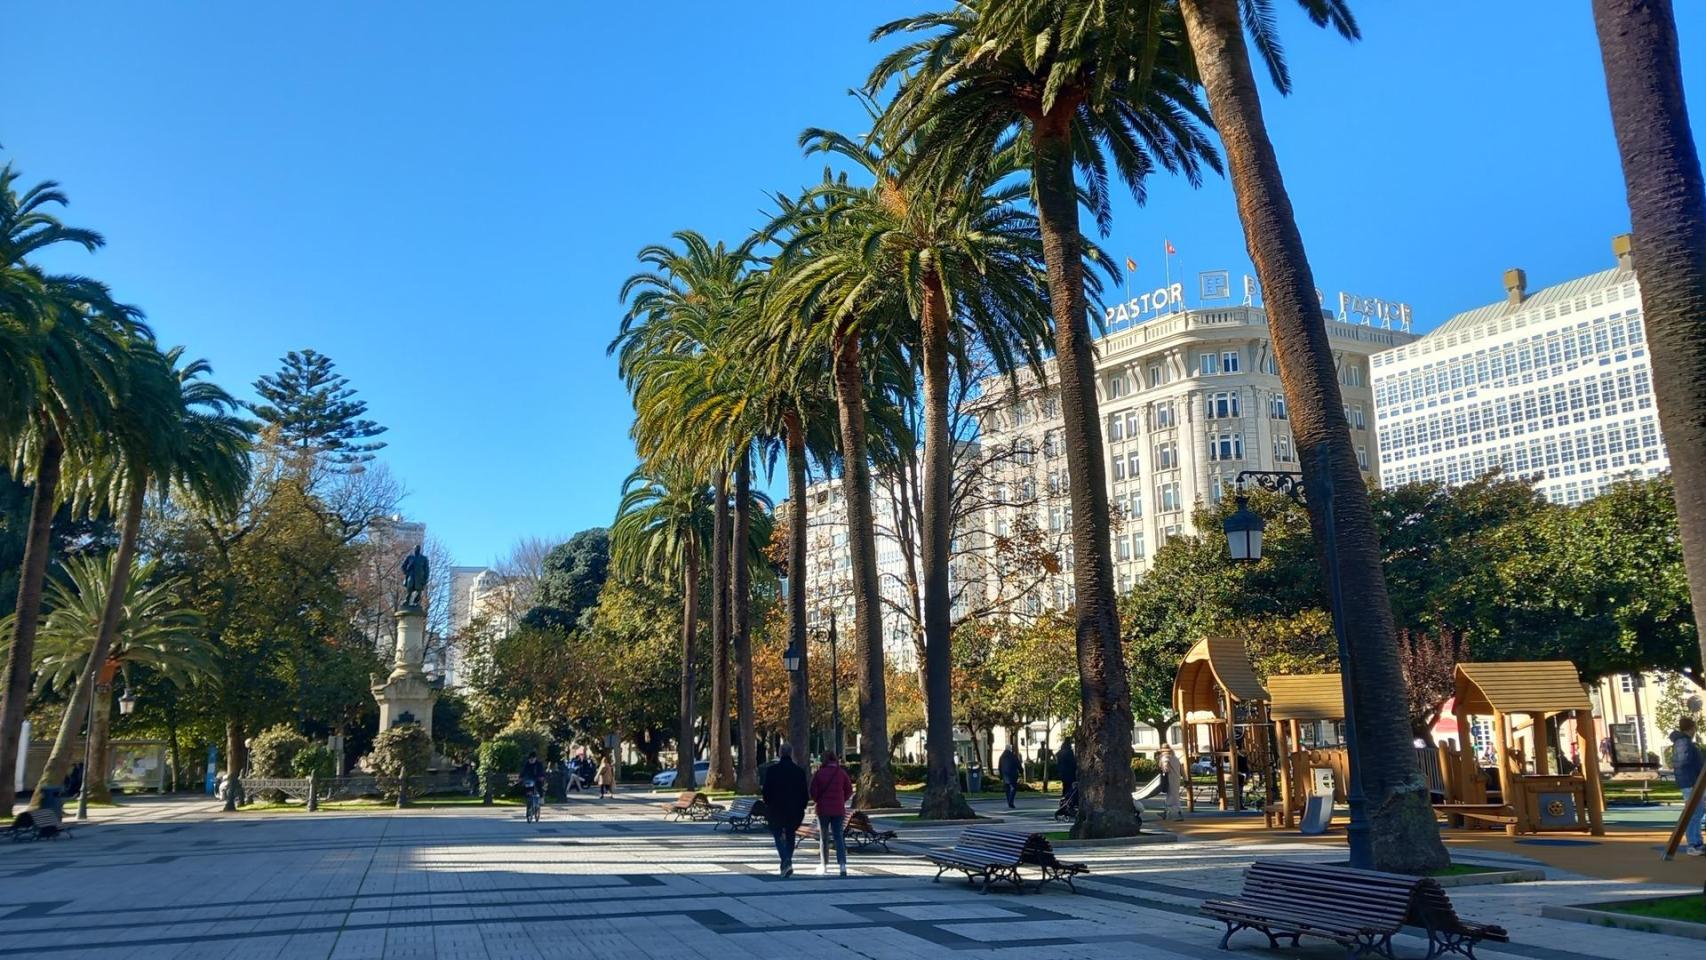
1554 384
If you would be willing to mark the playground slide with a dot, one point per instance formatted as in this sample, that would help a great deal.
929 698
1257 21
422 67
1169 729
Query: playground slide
1149 789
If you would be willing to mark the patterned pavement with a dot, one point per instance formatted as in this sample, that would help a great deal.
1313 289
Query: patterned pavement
612 880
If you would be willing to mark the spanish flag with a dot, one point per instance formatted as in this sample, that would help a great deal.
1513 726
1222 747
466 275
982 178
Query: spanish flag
1170 250
1131 264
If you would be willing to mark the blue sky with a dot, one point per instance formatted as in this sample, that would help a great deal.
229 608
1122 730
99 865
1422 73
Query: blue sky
445 197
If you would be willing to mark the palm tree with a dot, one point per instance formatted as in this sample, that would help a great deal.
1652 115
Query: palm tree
172 432
62 340
970 265
154 631
1078 93
1667 212
1402 823
662 529
672 347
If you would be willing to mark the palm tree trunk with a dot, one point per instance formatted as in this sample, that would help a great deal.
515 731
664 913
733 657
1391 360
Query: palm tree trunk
1402 825
20 658
1667 212
1105 786
722 773
64 745
942 798
876 777
101 744
746 777
799 682
689 625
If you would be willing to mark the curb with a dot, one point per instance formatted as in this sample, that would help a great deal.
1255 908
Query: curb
1627 921
1490 877
1147 837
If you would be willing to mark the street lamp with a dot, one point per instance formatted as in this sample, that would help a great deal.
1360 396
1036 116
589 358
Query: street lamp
127 703
1244 544
791 657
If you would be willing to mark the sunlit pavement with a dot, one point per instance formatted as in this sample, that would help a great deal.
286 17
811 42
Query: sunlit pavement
613 880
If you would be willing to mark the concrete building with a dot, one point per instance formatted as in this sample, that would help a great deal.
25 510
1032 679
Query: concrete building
1188 399
1554 383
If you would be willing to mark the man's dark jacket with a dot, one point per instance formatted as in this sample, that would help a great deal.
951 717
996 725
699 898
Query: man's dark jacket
785 795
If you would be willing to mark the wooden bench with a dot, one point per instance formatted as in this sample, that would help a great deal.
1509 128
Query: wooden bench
1447 932
690 804
744 813
1040 853
46 823
1358 909
984 852
862 833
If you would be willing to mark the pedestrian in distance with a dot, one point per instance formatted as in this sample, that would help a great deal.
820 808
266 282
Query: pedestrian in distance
785 797
1685 765
606 777
1172 782
1009 766
831 788
1067 763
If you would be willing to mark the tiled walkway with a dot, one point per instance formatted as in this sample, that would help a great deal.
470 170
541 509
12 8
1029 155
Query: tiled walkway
613 881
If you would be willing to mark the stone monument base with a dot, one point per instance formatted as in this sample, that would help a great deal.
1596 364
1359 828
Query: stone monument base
406 696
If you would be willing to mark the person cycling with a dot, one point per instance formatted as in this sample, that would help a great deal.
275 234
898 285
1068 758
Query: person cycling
533 782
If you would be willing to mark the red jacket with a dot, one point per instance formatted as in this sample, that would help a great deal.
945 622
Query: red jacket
831 789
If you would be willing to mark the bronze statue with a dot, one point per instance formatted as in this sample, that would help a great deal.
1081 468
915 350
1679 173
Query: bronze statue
415 570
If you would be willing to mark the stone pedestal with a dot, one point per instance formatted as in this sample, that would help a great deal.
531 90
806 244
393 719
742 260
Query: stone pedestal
405 695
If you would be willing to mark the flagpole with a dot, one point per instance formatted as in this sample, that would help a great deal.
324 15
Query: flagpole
1167 258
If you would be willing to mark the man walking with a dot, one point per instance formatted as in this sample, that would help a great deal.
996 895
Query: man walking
785 805
1009 767
831 789
1685 764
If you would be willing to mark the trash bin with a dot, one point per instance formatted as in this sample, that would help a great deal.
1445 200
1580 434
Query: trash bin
974 779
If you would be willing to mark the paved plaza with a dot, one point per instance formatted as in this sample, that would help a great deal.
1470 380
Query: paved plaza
612 880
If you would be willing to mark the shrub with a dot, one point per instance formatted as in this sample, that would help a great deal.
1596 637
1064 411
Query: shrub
314 759
530 739
272 751
1144 769
403 748
910 772
499 757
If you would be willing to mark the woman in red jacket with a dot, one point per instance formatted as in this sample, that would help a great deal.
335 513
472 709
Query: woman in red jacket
831 789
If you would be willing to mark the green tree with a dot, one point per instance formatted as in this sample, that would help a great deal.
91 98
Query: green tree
315 410
61 340
1667 212
1078 90
155 632
173 432
574 572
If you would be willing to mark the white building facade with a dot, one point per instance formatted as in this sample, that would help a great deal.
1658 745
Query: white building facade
1554 384
1187 400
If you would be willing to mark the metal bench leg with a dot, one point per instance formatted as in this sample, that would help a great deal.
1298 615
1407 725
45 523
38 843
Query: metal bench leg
1231 928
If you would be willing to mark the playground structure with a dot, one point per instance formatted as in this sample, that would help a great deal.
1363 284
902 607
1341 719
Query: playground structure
1216 691
1297 700
1527 801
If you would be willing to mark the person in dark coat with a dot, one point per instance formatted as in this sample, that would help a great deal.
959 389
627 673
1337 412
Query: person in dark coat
1066 762
1009 766
785 805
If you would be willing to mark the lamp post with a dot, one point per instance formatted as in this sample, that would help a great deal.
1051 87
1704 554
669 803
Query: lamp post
835 689
1244 543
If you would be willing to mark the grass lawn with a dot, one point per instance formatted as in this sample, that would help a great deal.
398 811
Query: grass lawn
376 804
1464 869
913 817
1663 790
1690 908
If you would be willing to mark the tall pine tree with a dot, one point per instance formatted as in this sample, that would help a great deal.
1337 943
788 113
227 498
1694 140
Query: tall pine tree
314 410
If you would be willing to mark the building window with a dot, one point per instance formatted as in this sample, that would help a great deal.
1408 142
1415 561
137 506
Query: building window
1018 414
1051 443
1116 386
1357 417
1167 456
1119 468
1054 519
1626 682
1122 550
1131 424
1270 365
1051 406
1164 418
1169 495
1226 446
1133 463
1229 362
1282 450
1115 434
1134 506
1362 458
1220 406
1276 406
1137 544
1022 450
1208 364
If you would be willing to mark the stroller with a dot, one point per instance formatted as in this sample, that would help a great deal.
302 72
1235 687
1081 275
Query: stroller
1068 808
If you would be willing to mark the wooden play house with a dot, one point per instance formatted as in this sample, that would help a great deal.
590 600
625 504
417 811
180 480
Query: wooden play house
1295 701
1532 798
1223 712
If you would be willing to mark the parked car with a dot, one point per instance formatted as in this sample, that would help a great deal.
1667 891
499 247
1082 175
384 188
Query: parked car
701 770
1202 766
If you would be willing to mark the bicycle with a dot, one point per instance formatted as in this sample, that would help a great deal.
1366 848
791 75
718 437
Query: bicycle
534 800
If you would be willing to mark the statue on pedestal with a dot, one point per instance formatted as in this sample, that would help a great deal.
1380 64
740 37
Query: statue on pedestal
415 571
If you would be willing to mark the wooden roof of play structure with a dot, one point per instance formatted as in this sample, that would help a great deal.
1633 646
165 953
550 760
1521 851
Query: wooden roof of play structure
1541 687
1215 662
1314 696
